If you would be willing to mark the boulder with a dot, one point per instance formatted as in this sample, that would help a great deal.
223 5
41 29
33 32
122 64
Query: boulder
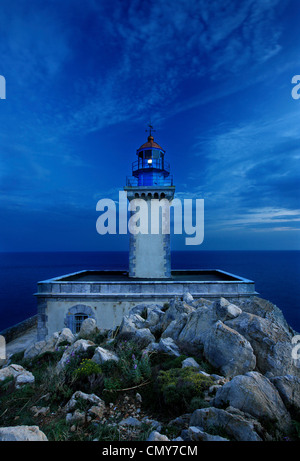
78 417
144 309
226 310
197 327
102 355
81 345
65 336
190 362
196 434
175 311
41 347
254 394
165 346
22 434
270 341
228 351
265 309
49 345
19 374
188 298
154 318
97 411
175 327
132 327
289 390
88 328
236 426
130 421
157 437
203 302
91 399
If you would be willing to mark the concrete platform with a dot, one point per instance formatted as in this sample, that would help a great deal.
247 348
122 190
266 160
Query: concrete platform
109 295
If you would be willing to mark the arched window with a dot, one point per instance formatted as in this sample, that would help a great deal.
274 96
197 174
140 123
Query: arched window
76 315
79 318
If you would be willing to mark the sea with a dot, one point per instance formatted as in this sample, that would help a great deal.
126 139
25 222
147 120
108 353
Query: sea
276 275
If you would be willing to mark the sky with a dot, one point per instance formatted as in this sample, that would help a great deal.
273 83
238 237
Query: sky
83 80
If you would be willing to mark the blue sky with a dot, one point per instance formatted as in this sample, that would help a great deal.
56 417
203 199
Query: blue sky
83 80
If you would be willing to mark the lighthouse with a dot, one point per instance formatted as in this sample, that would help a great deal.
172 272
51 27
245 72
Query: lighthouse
150 188
108 295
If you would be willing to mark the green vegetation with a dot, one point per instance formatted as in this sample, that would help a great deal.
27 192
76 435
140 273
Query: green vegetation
180 385
165 387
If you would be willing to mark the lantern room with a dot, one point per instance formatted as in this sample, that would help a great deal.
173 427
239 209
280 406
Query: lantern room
150 169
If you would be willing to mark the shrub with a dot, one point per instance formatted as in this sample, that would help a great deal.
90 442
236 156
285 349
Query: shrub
87 368
180 385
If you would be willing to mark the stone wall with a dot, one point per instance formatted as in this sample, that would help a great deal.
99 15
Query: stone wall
19 329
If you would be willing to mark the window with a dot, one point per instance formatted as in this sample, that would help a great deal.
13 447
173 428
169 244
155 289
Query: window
79 318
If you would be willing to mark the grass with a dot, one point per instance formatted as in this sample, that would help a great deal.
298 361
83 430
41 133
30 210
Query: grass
134 372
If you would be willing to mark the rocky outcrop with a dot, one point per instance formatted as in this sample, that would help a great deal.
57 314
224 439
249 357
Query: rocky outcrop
271 342
289 389
265 309
237 426
254 382
133 327
254 394
228 351
94 408
51 344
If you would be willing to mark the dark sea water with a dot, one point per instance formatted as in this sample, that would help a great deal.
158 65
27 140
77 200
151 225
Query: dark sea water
276 275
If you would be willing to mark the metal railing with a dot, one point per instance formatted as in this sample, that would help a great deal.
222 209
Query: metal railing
135 182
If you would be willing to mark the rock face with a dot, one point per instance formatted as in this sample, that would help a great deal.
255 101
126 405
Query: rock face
22 434
271 343
227 350
255 381
236 426
266 310
289 389
254 394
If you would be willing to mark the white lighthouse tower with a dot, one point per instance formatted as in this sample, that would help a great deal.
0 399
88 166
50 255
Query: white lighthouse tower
152 184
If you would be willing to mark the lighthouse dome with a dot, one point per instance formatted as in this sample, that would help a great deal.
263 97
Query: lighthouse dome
150 144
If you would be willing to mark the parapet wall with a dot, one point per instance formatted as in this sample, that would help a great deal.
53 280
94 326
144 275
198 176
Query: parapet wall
19 329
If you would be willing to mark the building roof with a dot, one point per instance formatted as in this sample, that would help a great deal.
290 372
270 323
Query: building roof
150 144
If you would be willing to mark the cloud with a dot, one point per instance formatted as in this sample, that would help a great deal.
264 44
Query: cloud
161 46
250 172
